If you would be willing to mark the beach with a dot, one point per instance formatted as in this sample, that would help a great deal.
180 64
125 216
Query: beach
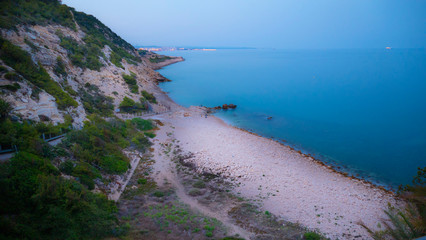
286 183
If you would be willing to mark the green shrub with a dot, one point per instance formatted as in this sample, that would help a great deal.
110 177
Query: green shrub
14 87
142 124
116 60
5 108
131 81
95 102
311 236
15 12
12 76
46 206
130 106
142 181
23 64
150 134
59 68
141 142
199 184
158 194
114 164
3 69
148 96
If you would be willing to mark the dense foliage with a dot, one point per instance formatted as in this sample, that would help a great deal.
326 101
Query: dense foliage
130 106
131 81
98 148
95 102
5 109
39 204
42 12
148 96
36 202
21 61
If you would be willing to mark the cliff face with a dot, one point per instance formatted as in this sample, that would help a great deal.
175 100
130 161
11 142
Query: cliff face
88 62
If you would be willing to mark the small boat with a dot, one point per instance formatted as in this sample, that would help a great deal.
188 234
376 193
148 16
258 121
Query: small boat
388 48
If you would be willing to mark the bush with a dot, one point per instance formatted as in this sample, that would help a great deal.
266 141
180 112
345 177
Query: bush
15 12
131 81
46 206
14 87
199 184
142 181
116 60
311 236
148 96
142 124
114 164
5 109
59 68
12 76
130 106
150 134
3 69
158 194
141 142
94 102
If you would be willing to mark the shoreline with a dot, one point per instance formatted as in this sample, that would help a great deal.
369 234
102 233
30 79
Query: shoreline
312 182
319 161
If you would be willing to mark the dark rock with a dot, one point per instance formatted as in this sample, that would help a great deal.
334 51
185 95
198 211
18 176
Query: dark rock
43 118
233 106
225 106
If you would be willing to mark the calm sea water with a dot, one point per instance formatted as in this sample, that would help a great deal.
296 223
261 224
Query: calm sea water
362 110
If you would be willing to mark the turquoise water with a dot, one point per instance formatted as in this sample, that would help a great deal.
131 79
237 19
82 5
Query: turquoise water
361 110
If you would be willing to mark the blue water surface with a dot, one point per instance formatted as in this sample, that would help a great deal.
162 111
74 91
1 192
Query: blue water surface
362 110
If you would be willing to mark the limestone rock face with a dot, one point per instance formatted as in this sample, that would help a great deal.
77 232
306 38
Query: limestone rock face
30 108
43 45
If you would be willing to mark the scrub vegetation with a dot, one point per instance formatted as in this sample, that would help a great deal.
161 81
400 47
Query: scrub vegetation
37 202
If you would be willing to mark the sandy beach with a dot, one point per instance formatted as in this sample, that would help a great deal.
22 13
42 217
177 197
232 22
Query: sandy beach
288 184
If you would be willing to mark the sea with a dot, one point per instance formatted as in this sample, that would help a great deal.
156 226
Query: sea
362 111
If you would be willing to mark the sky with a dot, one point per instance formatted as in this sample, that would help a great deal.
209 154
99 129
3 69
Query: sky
282 24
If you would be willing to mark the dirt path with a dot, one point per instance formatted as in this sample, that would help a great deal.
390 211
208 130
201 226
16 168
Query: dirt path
165 173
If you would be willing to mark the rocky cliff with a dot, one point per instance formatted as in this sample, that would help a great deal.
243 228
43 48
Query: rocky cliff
83 58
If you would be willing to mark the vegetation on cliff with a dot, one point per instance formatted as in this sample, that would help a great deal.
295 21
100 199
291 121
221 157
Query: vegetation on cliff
43 12
21 61
37 203
131 81
130 106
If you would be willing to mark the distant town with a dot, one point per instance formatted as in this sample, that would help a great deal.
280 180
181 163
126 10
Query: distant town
159 49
